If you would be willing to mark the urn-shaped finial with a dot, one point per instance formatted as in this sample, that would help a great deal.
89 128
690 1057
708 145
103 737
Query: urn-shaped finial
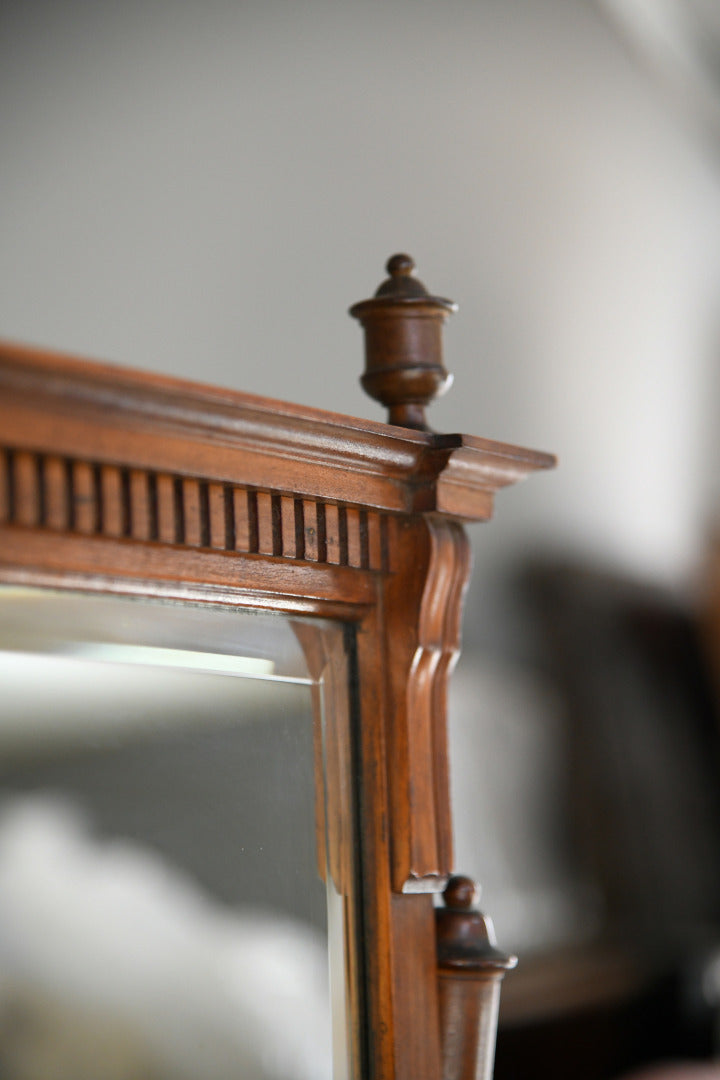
470 970
403 344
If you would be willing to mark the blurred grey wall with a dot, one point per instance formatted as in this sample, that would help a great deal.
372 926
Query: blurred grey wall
203 189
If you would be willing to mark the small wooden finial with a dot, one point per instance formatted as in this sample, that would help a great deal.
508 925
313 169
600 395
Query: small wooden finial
466 938
403 344
461 893
470 971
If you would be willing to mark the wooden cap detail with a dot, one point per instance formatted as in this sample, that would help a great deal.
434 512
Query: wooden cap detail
465 937
403 344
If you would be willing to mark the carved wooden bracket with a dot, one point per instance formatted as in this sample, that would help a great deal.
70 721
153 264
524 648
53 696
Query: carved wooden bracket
423 602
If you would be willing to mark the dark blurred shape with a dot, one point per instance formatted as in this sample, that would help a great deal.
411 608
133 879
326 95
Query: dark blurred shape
643 746
631 666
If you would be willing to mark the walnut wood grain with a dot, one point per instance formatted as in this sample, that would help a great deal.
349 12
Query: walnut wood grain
115 416
471 969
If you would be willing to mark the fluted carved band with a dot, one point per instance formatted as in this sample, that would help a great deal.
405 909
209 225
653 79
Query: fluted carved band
70 495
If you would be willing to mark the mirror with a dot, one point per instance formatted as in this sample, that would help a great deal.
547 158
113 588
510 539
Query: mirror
162 916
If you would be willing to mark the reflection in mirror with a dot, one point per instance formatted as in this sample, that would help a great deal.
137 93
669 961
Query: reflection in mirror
161 913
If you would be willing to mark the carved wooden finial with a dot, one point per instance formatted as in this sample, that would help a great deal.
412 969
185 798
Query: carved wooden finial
461 893
403 344
470 970
466 938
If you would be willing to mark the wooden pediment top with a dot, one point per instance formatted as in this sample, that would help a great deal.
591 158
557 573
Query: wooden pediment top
112 414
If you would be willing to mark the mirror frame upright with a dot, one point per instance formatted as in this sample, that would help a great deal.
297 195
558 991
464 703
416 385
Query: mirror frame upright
132 483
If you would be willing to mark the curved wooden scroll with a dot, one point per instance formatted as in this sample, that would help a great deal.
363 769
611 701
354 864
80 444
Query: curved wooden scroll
423 603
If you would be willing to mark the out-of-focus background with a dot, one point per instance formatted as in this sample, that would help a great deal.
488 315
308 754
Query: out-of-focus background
202 189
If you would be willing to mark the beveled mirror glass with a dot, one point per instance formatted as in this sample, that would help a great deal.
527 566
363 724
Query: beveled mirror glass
162 911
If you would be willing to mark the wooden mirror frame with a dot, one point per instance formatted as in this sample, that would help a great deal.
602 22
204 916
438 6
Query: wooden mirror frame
132 483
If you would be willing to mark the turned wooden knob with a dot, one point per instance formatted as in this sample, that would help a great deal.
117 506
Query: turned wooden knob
465 937
470 971
403 344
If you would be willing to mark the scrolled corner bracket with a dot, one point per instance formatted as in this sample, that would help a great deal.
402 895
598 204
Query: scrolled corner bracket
403 344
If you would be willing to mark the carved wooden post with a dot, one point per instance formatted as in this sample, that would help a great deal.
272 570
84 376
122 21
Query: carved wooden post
471 968
404 370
